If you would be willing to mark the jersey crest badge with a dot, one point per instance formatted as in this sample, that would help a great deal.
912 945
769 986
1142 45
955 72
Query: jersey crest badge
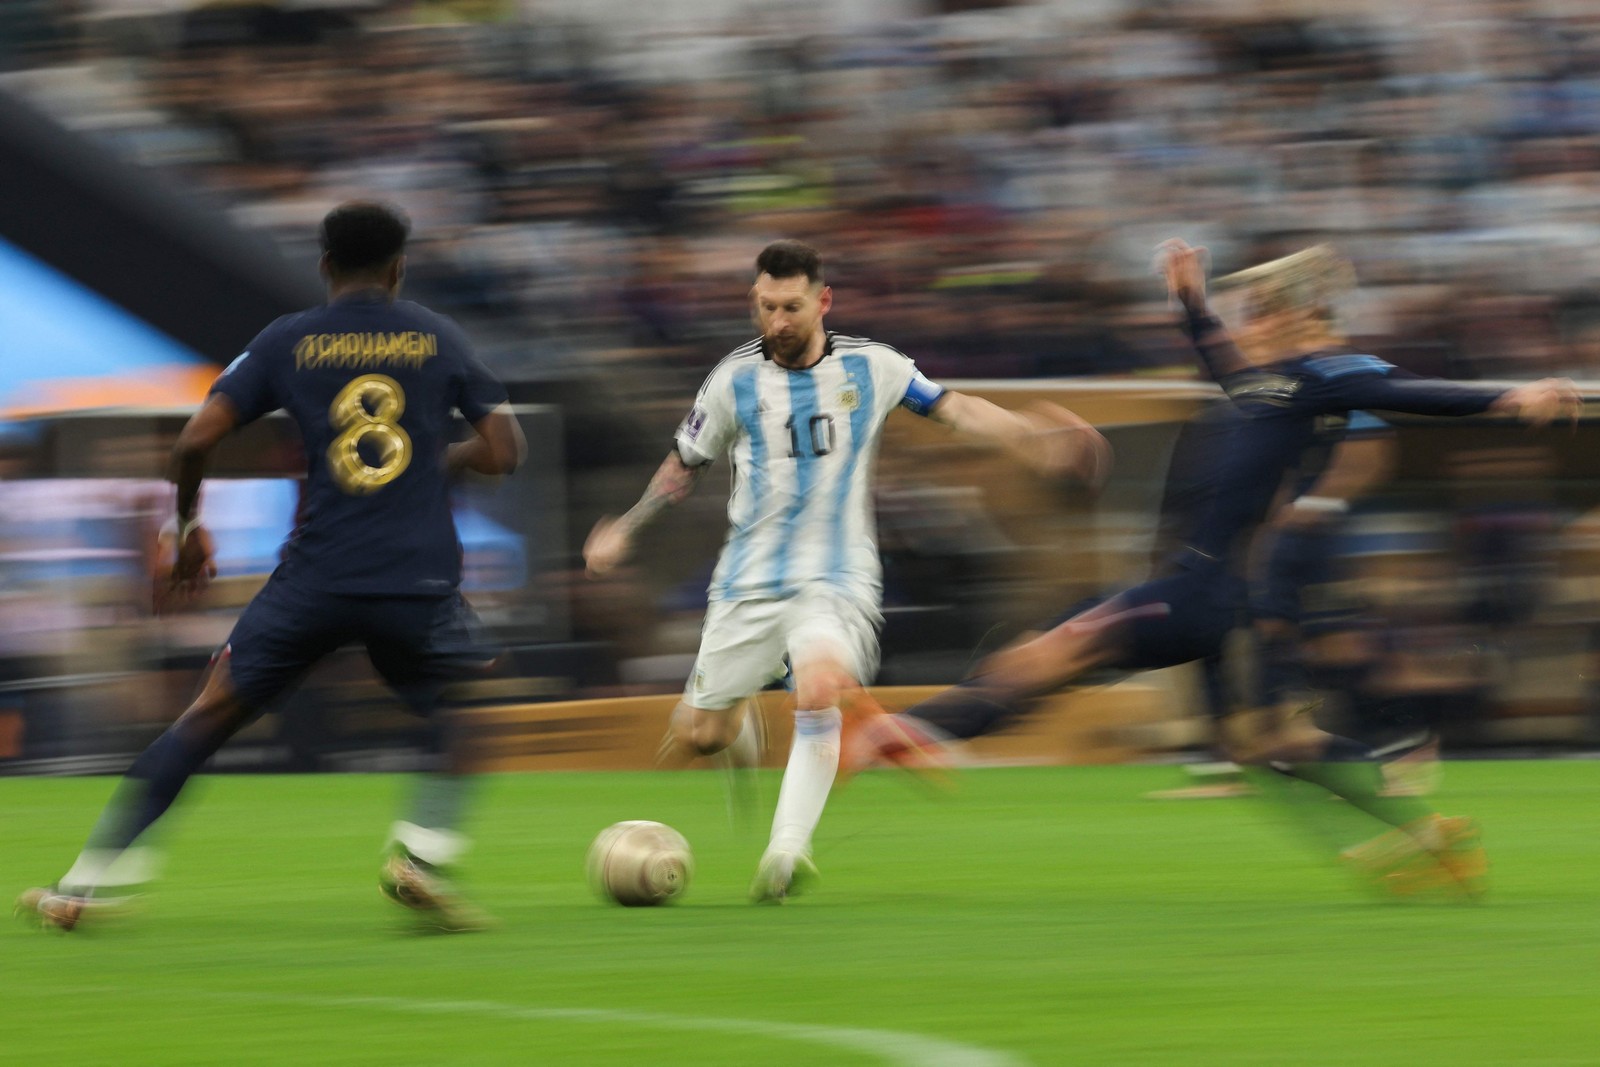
849 398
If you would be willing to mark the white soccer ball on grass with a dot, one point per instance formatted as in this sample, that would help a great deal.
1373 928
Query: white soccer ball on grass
639 863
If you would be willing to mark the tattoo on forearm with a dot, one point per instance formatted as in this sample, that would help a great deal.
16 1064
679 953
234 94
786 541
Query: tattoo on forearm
672 482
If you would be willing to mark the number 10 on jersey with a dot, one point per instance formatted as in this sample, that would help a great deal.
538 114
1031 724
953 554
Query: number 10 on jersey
820 432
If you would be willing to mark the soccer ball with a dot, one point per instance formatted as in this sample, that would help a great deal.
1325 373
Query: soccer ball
639 863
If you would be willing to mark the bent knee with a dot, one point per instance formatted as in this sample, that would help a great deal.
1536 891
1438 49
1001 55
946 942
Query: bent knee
706 732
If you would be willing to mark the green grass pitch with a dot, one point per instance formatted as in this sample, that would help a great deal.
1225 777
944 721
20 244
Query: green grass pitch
1040 916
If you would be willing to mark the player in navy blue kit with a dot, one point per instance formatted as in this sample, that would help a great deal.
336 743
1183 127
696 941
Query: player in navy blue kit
373 382
1294 379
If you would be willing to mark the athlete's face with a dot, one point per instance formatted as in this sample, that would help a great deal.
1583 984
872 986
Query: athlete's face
1261 337
789 313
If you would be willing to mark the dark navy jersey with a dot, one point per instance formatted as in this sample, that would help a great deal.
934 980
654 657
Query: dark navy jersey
1193 474
1284 409
1331 432
373 386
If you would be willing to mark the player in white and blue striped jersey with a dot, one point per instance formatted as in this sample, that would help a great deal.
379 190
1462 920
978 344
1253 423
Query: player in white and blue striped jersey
800 410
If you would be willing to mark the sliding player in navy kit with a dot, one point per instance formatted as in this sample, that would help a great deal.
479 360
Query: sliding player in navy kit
1286 377
373 382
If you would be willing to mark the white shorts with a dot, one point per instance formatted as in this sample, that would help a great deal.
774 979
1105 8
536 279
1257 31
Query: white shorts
745 645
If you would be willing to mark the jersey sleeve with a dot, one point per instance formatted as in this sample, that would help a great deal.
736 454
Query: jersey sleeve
480 392
251 382
1214 345
920 393
1373 385
708 429
1364 425
902 384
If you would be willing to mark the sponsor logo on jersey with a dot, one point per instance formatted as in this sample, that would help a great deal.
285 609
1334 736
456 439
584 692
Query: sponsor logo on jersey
1265 388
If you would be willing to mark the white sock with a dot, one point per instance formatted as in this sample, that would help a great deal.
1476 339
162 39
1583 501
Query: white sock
439 848
109 869
813 762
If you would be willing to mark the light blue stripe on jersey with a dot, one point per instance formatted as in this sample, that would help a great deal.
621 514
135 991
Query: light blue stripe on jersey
859 373
802 407
748 408
1365 422
1339 366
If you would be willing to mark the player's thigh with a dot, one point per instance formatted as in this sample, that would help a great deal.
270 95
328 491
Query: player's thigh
1179 618
828 631
284 630
741 652
420 645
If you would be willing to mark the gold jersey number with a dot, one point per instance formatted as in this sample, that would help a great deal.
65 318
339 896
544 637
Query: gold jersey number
367 412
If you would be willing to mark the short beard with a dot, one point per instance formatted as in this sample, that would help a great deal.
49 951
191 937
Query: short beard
797 347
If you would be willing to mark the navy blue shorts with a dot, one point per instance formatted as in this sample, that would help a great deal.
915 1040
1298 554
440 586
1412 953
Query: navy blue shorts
417 644
1191 613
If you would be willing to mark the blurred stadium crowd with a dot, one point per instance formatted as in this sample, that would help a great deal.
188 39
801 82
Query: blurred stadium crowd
987 185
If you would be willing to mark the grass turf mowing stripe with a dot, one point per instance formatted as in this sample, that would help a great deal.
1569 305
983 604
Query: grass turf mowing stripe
1050 914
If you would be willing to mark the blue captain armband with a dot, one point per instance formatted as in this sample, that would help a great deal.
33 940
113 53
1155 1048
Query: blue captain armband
921 394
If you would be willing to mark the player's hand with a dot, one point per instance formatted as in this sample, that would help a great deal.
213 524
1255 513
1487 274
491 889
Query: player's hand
1542 402
184 568
1063 443
610 543
1184 268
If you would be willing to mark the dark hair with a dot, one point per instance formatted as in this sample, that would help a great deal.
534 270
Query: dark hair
786 259
361 237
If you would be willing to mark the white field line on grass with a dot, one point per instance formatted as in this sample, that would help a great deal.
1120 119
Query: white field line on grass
891 1046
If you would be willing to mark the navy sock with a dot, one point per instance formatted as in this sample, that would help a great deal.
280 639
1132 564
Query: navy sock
149 788
1344 750
968 710
1345 772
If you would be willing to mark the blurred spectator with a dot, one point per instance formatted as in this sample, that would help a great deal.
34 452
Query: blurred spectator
989 185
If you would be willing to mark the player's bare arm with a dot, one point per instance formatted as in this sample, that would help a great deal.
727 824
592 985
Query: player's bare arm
192 566
497 447
1357 467
611 540
1046 437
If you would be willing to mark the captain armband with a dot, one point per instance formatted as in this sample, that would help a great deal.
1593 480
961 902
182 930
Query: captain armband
921 394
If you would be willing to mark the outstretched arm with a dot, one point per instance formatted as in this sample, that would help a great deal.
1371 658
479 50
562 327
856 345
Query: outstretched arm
1184 268
1047 437
1535 403
611 540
